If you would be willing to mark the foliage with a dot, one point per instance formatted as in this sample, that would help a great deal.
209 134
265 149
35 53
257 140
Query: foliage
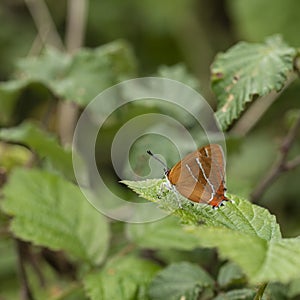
78 78
267 68
43 143
62 247
117 281
180 280
57 217
250 228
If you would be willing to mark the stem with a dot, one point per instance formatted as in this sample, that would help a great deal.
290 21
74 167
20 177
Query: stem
76 22
44 23
281 166
292 164
26 293
260 291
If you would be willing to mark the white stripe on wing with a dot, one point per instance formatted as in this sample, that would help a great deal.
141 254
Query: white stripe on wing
204 175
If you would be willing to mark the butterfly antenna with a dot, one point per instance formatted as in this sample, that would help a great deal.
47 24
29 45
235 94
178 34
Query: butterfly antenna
158 159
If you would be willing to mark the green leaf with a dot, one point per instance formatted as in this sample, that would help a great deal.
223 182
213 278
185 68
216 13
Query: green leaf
261 260
51 212
162 234
82 77
241 216
93 71
79 78
43 143
124 277
180 280
180 73
51 65
247 71
244 233
230 275
12 156
242 294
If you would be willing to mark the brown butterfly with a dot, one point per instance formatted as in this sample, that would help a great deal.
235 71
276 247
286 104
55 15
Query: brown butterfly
200 176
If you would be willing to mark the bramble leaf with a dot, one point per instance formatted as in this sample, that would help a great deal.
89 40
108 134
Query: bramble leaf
43 143
52 212
241 215
79 78
123 278
180 280
245 233
247 71
261 260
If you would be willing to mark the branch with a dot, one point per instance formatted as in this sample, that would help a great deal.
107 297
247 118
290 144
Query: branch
258 108
68 111
281 166
44 23
76 23
26 293
260 291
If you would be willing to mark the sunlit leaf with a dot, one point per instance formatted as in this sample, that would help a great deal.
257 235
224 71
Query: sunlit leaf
241 215
261 260
123 278
51 212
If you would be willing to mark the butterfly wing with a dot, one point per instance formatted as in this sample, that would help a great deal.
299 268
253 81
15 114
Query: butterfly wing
200 174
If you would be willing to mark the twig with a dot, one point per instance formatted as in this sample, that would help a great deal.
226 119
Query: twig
76 23
293 163
36 46
281 166
258 108
26 293
260 291
33 260
50 109
68 111
3 176
44 23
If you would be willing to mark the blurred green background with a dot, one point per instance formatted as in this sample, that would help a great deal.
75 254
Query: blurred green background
177 39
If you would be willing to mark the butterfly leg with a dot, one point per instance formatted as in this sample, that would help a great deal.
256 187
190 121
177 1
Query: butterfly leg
177 196
222 203
172 188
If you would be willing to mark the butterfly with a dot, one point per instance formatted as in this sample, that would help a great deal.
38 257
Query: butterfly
200 176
